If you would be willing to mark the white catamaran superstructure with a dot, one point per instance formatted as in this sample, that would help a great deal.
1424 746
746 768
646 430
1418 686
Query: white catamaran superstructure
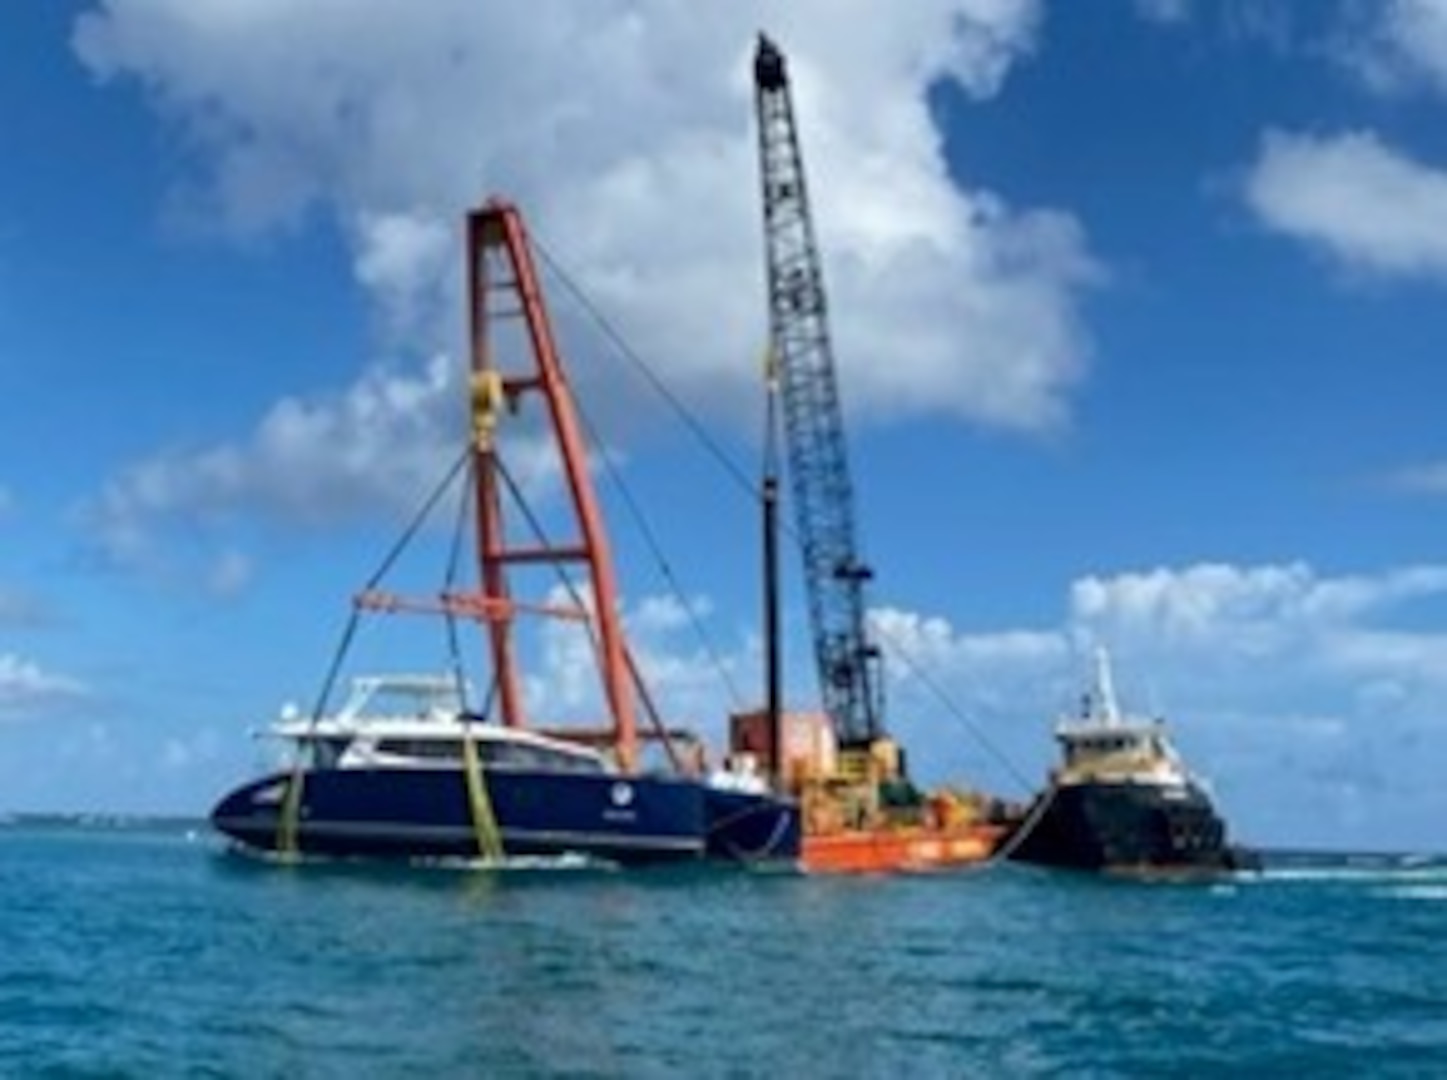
419 721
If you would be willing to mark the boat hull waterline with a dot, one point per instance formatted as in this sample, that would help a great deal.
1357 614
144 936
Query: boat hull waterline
428 814
901 849
1130 828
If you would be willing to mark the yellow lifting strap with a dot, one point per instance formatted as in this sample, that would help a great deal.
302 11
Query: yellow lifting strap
487 402
484 821
286 822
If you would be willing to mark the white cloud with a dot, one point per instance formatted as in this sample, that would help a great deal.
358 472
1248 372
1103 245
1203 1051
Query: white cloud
666 612
230 573
1237 23
1398 44
691 682
1243 618
929 642
383 441
1169 12
404 259
1427 478
1190 607
27 688
625 132
1367 205
184 755
1314 702
379 447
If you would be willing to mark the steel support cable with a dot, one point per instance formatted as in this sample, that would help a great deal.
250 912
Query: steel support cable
1026 827
650 538
623 349
576 597
738 475
454 558
387 563
953 710
290 813
640 521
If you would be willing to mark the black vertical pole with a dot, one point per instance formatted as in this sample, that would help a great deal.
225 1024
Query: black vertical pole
772 646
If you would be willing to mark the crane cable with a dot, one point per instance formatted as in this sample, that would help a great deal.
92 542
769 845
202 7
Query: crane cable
289 814
614 338
576 597
740 478
1022 831
950 708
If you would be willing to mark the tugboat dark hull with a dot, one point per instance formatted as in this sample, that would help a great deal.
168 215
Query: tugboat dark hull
1128 827
428 814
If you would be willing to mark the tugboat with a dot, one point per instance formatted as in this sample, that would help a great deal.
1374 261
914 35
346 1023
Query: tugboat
1121 800
436 773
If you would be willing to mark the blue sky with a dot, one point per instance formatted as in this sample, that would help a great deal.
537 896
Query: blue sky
1137 306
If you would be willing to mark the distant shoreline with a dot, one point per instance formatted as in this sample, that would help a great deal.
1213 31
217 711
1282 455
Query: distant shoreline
98 820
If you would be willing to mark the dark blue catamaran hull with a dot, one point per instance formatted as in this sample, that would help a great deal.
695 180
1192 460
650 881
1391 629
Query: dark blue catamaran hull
430 813
748 828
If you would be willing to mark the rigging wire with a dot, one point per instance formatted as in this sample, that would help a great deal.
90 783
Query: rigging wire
395 552
953 710
742 480
289 814
614 338
650 539
640 521
454 558
577 598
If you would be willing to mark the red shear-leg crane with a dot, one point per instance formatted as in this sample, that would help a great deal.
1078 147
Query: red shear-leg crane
502 285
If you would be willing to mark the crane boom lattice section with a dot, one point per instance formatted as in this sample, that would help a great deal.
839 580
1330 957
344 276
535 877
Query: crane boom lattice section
818 466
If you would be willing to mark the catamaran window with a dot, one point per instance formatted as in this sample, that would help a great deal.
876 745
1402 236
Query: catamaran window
430 749
492 754
523 756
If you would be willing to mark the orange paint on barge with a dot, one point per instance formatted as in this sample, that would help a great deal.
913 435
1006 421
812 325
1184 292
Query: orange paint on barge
860 814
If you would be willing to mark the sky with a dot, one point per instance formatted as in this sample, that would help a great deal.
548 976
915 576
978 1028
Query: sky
1137 309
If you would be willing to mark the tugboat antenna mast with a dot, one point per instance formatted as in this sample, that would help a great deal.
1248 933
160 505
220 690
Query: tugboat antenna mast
1105 704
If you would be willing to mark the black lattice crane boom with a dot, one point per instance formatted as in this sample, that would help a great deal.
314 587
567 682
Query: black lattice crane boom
803 364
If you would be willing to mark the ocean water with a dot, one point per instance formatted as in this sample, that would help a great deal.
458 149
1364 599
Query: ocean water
152 952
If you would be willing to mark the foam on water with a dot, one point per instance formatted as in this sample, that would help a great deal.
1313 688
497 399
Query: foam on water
1417 892
151 955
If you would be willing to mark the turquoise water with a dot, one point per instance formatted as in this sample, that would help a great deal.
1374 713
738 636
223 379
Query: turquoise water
152 953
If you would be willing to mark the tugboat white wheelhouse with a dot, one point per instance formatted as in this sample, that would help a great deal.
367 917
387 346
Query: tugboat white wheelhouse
1121 799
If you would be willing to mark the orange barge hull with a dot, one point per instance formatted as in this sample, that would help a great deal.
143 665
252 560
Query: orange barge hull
895 850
